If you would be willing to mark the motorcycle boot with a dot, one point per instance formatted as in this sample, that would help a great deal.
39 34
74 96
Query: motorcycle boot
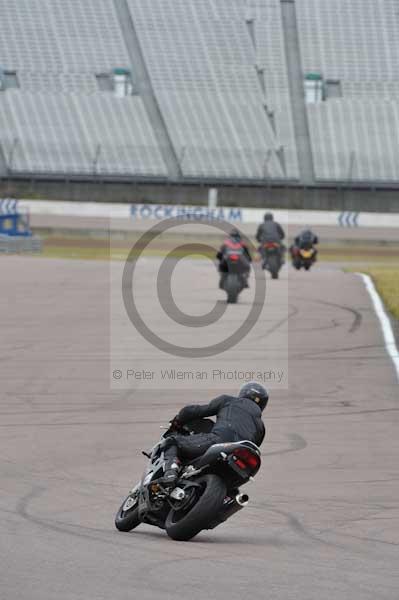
171 473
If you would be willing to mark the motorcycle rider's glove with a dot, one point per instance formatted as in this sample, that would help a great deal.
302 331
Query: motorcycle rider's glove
175 424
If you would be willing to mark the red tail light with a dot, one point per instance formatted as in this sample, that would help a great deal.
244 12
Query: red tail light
234 257
271 245
245 458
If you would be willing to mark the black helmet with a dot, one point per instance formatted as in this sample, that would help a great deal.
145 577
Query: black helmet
268 216
235 234
256 392
307 234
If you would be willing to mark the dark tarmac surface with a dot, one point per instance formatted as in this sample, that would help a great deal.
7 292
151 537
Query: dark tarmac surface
323 520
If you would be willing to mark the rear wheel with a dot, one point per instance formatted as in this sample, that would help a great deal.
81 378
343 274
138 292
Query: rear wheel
127 517
274 266
184 524
232 297
232 287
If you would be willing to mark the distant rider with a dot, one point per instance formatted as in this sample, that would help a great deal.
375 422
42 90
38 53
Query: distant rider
234 244
237 418
305 241
270 231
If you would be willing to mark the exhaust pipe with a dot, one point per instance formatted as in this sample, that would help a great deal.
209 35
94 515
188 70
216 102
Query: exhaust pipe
230 508
242 499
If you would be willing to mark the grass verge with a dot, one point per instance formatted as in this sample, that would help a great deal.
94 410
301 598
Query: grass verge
386 280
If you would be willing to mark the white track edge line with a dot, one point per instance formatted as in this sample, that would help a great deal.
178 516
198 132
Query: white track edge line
389 338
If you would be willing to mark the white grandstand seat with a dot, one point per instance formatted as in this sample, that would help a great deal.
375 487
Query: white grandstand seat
61 82
357 43
53 35
351 40
202 64
355 139
64 133
58 117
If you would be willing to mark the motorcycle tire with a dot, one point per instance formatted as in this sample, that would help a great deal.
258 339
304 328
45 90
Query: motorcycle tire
296 264
126 520
184 527
274 266
232 288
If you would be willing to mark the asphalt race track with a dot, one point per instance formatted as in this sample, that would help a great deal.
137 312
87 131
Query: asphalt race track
323 521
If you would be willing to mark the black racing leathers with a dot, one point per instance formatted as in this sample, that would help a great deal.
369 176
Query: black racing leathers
270 231
232 247
236 418
306 239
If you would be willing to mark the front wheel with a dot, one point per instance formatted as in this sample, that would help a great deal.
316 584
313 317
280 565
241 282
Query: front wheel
296 264
127 517
183 525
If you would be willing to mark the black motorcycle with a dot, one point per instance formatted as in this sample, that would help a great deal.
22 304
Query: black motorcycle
206 494
272 257
303 256
234 280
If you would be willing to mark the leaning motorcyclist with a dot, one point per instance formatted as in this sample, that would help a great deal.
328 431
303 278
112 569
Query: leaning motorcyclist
237 418
270 231
234 244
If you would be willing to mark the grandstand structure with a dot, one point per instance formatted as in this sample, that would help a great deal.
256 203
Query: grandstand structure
201 91
356 44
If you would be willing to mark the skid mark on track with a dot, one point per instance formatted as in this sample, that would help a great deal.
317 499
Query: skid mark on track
298 527
305 532
297 443
155 551
356 314
334 323
374 515
366 539
78 531
327 354
294 311
79 424
335 414
134 423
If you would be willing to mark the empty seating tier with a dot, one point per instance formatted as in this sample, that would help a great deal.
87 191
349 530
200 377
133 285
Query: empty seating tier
70 133
216 71
204 62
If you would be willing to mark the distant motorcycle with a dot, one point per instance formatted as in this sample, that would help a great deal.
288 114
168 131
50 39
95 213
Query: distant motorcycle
235 279
206 494
272 259
303 257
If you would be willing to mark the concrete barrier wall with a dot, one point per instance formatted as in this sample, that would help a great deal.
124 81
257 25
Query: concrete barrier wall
289 197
